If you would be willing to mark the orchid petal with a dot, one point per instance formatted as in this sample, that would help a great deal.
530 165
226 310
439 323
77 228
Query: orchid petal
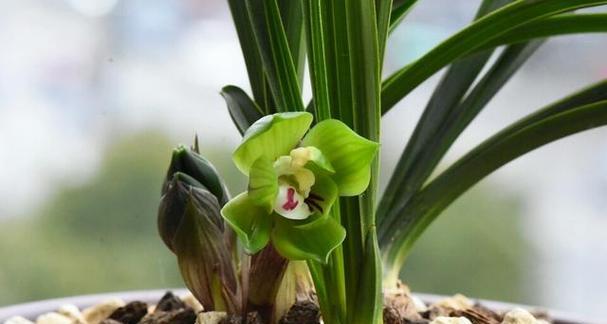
349 153
312 158
270 137
263 184
322 195
309 241
251 223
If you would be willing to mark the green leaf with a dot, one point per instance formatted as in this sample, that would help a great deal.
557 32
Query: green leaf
400 9
251 223
186 161
412 169
243 111
349 153
553 26
371 305
318 34
271 137
203 257
276 57
263 184
581 111
250 52
291 14
384 11
322 195
509 61
309 241
363 115
472 38
444 101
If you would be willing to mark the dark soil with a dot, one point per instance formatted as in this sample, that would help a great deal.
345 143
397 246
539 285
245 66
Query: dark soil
399 309
172 310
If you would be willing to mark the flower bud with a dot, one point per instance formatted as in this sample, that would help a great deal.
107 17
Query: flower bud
189 162
190 224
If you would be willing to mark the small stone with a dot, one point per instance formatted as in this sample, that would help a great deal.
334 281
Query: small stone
130 313
169 302
72 312
53 318
420 306
191 301
475 316
302 312
450 320
210 317
398 304
478 308
18 320
101 311
179 316
391 316
519 316
456 302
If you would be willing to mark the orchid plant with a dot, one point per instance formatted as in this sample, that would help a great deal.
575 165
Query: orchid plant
310 210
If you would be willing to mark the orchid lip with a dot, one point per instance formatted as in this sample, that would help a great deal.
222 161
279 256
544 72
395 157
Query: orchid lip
290 204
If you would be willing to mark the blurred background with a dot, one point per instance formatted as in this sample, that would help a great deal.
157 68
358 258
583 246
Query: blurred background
95 93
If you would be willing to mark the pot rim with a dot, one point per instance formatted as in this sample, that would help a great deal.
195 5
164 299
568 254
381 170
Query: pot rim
31 310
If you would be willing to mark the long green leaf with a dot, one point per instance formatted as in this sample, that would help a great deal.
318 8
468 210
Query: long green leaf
328 51
351 53
400 9
411 170
365 91
370 310
250 52
331 284
276 56
323 288
472 38
339 76
318 34
291 13
553 26
581 111
505 66
384 11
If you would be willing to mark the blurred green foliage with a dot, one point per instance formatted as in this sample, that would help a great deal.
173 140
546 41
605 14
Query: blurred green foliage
475 248
101 236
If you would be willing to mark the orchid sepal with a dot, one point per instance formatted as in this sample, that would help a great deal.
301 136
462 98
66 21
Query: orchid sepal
349 153
251 222
270 137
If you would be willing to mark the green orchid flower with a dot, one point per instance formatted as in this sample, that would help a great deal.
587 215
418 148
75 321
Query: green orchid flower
295 176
